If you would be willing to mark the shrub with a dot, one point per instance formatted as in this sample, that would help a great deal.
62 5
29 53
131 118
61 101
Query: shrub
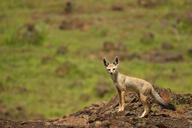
28 34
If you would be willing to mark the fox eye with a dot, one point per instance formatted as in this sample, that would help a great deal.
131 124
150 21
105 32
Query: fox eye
108 69
113 68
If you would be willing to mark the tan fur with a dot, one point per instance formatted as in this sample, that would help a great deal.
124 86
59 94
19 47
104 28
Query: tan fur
125 83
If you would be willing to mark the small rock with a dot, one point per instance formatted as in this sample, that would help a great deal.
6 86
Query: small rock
147 38
108 46
65 25
166 45
22 90
30 27
46 59
76 84
62 50
64 68
117 8
84 97
19 108
69 7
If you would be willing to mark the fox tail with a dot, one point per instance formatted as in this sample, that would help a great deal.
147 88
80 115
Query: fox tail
161 101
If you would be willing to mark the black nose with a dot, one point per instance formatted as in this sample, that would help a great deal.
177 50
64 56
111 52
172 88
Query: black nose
111 73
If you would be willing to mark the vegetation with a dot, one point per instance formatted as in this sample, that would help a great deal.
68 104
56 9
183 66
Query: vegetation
51 57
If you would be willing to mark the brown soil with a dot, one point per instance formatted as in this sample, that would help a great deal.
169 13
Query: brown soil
111 49
105 115
162 56
74 24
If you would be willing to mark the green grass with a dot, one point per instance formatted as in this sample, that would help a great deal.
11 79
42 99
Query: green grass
51 95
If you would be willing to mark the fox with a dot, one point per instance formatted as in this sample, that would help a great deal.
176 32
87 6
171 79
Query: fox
142 88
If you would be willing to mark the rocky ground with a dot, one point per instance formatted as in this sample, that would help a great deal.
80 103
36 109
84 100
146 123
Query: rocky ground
104 114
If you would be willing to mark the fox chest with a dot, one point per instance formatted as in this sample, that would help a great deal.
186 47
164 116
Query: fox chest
120 87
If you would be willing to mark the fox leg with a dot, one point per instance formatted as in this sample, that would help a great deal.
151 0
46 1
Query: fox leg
123 100
120 100
146 105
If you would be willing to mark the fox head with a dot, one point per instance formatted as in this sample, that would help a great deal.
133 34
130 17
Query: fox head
111 67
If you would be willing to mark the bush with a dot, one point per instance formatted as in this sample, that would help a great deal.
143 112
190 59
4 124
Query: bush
28 34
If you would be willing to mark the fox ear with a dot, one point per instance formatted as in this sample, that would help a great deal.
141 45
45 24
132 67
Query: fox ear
105 62
116 61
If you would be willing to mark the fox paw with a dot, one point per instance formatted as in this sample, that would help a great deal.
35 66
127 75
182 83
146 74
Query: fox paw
143 115
120 109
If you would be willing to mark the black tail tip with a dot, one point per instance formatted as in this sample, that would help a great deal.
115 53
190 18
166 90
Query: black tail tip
171 107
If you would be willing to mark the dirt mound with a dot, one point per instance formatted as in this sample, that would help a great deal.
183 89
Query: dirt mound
162 56
74 24
111 49
104 114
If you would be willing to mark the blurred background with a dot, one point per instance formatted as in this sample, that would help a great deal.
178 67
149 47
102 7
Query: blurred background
51 51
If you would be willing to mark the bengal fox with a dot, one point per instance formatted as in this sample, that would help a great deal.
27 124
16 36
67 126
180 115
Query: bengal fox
125 83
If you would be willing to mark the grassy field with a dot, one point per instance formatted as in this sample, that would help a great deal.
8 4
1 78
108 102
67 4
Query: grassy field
48 68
